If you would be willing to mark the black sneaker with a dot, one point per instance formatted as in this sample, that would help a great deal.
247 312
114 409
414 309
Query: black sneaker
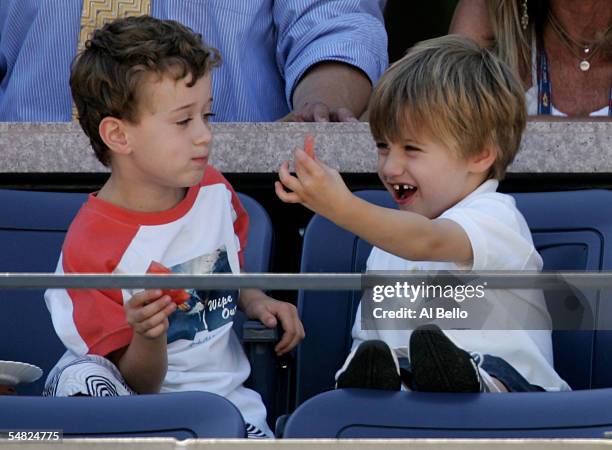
438 365
373 365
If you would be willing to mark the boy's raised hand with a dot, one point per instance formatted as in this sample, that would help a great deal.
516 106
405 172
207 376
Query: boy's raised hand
316 185
147 312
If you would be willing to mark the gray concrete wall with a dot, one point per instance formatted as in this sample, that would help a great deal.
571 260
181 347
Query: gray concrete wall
551 146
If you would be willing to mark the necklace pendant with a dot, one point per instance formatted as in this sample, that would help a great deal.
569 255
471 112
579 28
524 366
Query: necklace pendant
585 65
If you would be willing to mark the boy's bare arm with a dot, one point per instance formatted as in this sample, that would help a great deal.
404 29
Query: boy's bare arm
257 305
144 362
402 233
405 234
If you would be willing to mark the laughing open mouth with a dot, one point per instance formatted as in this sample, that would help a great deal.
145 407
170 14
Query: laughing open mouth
403 191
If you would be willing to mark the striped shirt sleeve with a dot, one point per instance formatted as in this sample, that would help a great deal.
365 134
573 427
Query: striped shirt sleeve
347 31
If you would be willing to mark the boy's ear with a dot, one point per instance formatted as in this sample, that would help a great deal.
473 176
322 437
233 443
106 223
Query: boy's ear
483 161
113 133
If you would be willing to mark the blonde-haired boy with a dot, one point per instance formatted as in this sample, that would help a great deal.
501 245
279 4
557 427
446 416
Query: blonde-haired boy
447 120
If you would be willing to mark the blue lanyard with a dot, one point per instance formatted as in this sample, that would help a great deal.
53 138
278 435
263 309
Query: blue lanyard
544 88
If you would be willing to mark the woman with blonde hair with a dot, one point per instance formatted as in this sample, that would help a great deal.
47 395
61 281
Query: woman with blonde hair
562 49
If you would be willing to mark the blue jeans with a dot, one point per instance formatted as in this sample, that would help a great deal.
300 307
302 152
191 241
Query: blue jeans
499 368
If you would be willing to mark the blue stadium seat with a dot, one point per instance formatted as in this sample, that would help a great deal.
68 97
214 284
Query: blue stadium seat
572 231
32 229
268 376
260 240
182 415
367 414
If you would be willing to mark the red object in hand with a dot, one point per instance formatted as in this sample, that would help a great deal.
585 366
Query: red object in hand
7 390
178 296
309 145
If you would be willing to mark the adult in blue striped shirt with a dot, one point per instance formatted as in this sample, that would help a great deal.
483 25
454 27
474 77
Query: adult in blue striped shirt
320 57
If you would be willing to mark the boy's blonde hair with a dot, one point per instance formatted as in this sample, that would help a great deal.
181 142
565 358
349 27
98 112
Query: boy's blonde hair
452 91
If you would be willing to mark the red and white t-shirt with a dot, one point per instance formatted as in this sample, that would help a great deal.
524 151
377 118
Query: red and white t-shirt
205 233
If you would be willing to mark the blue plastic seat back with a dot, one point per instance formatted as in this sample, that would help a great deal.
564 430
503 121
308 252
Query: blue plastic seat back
260 241
369 414
328 315
573 232
257 257
182 415
32 230
570 229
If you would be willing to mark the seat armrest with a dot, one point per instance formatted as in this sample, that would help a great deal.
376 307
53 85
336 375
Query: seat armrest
253 331
270 374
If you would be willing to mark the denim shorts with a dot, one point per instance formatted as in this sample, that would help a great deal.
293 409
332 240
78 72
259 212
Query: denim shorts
499 368
495 366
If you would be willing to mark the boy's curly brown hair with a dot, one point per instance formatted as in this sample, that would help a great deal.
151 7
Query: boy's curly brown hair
106 77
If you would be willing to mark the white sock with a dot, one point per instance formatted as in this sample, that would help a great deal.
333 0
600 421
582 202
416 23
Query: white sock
488 381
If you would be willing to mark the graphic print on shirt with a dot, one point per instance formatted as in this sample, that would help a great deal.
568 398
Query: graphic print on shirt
205 310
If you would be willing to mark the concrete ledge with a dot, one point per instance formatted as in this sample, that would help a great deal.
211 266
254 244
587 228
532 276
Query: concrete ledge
550 146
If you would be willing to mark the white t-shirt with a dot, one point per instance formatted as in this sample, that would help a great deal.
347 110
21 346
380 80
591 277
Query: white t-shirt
204 233
500 240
